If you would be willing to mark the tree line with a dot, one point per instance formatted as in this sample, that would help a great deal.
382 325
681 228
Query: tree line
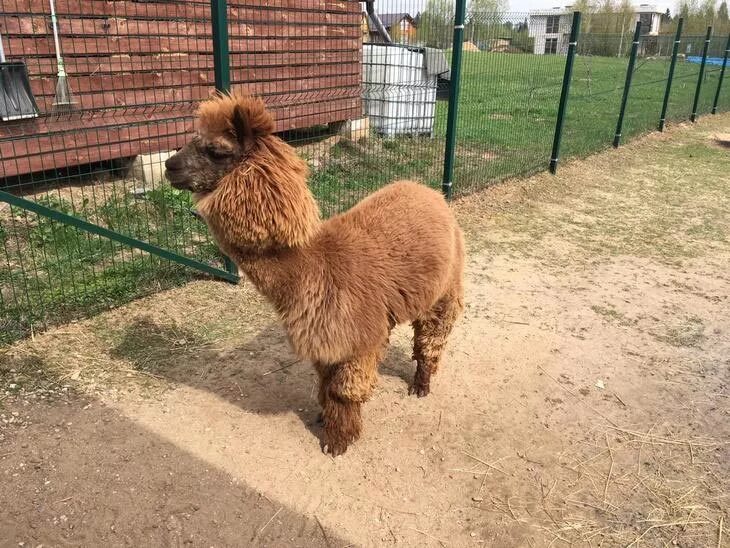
610 22
698 16
485 20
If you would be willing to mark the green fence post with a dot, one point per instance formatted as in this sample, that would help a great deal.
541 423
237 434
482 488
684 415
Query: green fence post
221 68
449 152
670 78
627 85
221 60
563 105
722 77
696 103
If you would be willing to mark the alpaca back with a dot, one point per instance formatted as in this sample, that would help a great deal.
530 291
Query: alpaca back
416 245
388 261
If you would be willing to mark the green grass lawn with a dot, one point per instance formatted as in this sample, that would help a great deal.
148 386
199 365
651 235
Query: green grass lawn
507 111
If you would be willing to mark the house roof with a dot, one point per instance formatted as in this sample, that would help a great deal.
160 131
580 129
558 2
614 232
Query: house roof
554 11
390 19
648 8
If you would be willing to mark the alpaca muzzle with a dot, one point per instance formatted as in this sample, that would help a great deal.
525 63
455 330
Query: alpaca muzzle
177 179
174 172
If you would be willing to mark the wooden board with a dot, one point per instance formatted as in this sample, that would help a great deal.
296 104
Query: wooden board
197 84
264 24
346 61
61 142
178 9
137 71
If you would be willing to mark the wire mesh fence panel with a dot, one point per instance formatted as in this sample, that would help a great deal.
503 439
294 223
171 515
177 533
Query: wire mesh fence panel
649 85
114 87
596 90
722 87
395 77
105 91
507 103
683 89
600 76
96 95
510 86
713 69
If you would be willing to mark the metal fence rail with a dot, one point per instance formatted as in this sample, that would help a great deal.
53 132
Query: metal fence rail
367 92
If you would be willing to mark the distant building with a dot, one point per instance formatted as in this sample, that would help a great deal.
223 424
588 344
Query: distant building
551 28
400 26
650 17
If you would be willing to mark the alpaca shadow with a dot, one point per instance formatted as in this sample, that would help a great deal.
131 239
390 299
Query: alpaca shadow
262 375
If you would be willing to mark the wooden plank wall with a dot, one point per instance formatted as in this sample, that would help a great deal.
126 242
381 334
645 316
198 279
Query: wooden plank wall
138 69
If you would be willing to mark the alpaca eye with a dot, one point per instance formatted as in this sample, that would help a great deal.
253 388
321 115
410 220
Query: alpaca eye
217 152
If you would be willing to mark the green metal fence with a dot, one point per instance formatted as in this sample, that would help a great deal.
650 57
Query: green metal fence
367 93
86 219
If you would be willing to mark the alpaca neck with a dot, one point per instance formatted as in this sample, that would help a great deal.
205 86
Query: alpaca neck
278 275
263 216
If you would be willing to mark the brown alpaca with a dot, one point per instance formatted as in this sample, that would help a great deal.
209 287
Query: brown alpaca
339 285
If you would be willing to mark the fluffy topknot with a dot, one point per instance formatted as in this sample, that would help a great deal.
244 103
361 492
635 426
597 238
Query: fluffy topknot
216 115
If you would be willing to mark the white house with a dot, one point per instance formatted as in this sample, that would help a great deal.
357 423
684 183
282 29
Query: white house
551 27
551 30
650 19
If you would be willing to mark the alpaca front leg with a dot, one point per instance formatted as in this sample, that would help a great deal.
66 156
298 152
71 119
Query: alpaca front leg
342 425
343 389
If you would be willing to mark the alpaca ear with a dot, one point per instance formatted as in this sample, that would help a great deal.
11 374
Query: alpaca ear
241 127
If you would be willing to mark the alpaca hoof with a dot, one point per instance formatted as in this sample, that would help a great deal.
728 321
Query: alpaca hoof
334 448
337 439
420 390
336 445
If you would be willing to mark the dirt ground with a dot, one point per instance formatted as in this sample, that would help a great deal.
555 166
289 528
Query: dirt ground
583 399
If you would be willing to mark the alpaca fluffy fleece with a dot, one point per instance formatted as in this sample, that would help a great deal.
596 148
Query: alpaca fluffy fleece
339 285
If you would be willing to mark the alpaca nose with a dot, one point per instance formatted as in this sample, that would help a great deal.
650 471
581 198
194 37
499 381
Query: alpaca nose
173 162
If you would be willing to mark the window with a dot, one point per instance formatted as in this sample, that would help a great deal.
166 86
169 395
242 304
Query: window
551 46
553 24
646 20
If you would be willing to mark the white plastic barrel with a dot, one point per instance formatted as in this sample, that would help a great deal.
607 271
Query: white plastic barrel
399 95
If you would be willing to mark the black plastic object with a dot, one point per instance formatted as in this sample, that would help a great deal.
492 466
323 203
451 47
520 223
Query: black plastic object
16 98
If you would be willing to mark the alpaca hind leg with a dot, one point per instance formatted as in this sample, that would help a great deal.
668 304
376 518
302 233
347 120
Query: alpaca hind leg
430 335
343 389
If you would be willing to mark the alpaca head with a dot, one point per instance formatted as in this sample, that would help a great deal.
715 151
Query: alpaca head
250 186
228 129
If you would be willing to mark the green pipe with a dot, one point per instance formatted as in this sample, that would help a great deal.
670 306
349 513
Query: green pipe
449 153
627 85
696 103
563 105
82 224
722 77
670 78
